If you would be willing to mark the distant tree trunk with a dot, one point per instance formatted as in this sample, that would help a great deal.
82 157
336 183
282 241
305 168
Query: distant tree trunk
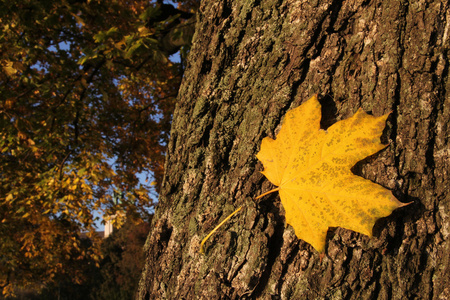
250 63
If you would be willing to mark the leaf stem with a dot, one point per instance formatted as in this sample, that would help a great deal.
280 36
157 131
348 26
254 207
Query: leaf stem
202 249
266 193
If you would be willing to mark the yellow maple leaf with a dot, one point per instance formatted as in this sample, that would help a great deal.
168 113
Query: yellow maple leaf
311 168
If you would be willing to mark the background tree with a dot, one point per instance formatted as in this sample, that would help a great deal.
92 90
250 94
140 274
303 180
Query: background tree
116 278
252 61
122 264
87 93
119 272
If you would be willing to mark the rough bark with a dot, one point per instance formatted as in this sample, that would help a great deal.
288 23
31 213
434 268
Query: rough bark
250 63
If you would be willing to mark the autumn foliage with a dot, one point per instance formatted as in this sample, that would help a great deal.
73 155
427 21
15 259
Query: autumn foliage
87 92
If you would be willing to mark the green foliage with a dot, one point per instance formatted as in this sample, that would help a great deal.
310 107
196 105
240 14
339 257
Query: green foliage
87 93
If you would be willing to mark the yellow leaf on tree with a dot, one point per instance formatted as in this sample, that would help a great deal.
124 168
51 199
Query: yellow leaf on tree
311 168
9 197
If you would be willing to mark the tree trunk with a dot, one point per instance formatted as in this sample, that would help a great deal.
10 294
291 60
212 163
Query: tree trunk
250 63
